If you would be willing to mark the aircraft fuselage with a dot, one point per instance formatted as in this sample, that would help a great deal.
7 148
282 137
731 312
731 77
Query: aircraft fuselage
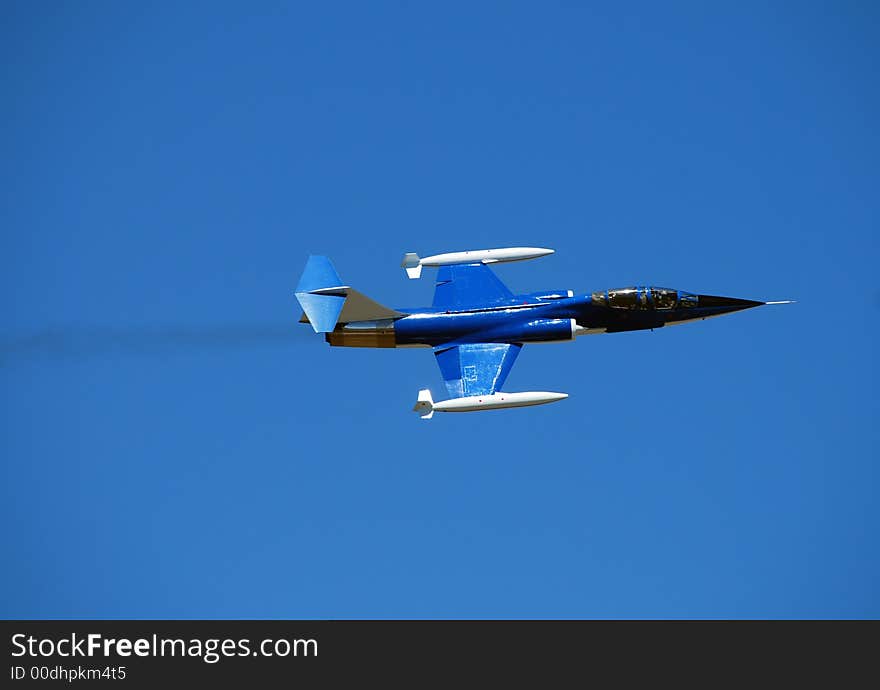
551 317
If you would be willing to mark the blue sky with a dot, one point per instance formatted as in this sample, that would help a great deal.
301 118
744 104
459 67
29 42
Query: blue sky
174 445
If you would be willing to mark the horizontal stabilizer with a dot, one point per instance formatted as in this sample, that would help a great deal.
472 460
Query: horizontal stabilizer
359 307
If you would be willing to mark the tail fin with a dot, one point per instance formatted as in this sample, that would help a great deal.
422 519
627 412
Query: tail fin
425 404
326 301
321 294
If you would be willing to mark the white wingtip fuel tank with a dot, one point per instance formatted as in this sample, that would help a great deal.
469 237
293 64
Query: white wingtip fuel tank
426 406
413 263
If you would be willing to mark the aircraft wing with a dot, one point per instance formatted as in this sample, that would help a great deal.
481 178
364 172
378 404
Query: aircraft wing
477 368
465 285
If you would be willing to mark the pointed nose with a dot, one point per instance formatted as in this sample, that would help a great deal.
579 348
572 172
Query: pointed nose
726 304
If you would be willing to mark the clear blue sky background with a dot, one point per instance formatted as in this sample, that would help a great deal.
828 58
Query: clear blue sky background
175 445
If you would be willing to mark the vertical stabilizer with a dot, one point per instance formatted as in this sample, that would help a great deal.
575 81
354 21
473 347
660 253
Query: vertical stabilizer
327 302
321 294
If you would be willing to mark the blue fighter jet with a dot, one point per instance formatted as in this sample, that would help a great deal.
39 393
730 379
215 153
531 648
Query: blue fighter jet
477 326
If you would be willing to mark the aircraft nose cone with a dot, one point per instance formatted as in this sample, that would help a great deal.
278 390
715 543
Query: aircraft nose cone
730 303
726 304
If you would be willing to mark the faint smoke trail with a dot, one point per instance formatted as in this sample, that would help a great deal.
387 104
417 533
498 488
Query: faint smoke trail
99 341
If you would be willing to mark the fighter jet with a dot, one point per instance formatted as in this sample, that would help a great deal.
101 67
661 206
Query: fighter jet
477 326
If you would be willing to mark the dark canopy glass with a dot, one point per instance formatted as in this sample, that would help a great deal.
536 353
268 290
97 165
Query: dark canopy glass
644 298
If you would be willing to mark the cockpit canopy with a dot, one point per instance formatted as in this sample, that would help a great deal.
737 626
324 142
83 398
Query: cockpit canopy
644 298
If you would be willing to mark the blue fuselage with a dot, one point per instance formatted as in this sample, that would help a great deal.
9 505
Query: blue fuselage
530 319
